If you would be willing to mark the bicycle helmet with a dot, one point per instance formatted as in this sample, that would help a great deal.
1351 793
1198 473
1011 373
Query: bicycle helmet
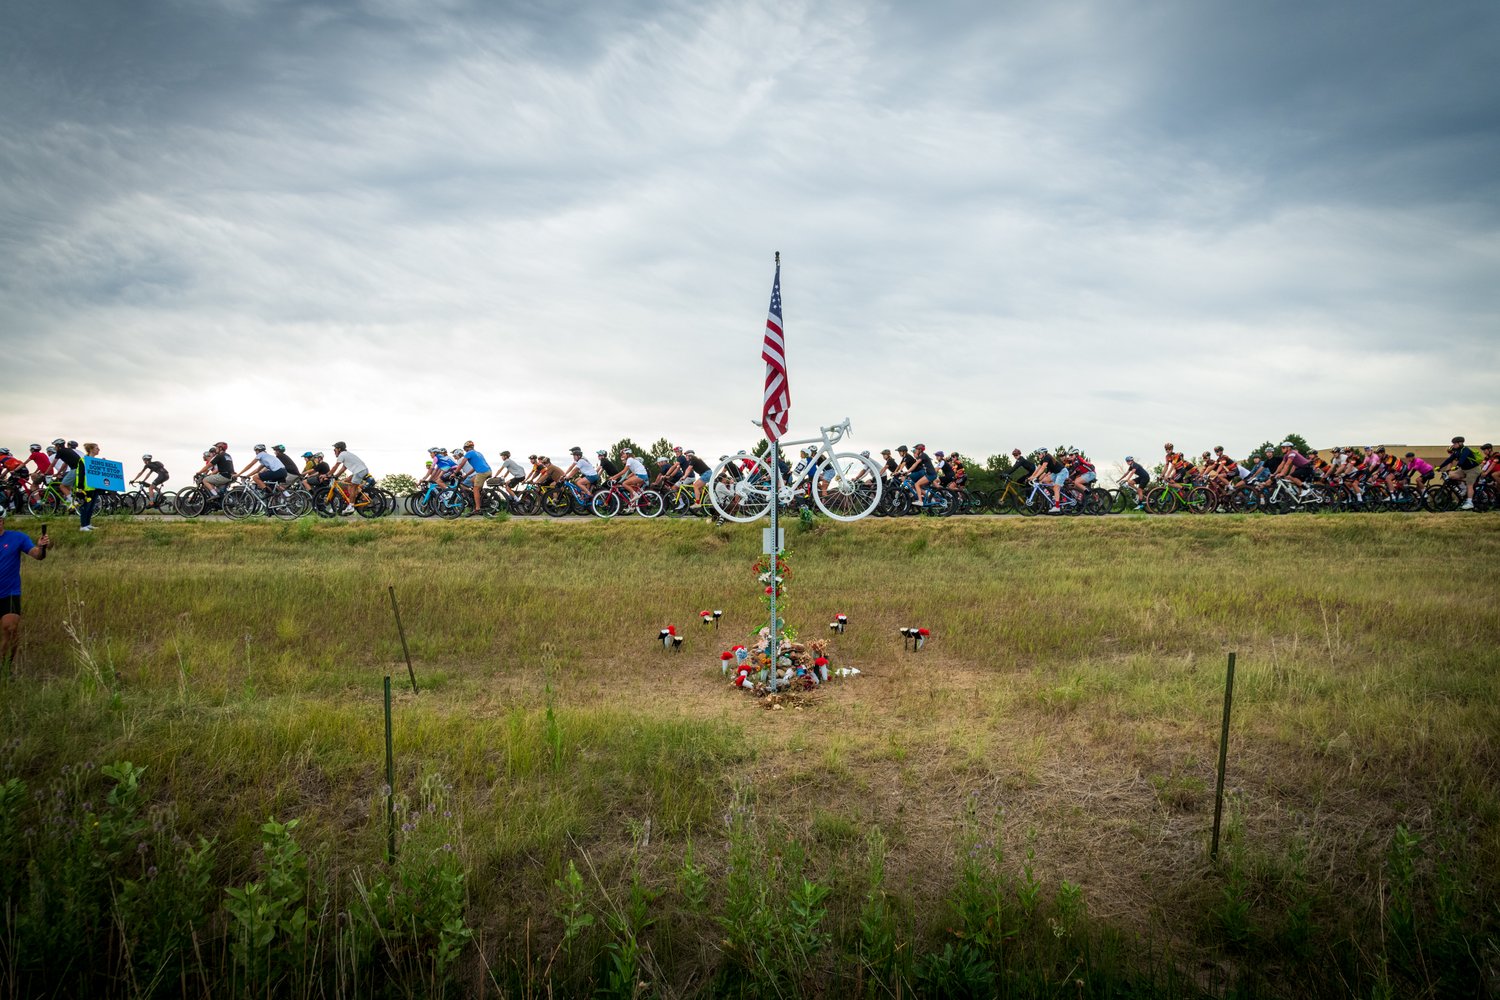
626 451
278 447
662 461
145 458
1486 447
307 454
58 442
209 453
575 450
1130 458
939 454
601 451
4 451
1286 444
36 447
865 454
920 446
72 444
318 455
442 451
340 446
260 447
221 445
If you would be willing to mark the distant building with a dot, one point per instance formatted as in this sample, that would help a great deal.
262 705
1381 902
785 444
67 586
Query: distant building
1432 453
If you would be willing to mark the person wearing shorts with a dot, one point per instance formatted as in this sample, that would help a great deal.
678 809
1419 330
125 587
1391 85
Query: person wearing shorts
480 466
223 469
582 468
13 545
1139 478
514 474
1465 462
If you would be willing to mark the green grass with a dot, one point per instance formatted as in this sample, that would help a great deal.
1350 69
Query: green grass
1071 691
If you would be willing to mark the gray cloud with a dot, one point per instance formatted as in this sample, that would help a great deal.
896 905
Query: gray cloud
555 222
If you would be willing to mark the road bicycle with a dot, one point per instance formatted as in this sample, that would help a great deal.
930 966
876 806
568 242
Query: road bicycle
1168 498
838 488
244 499
613 499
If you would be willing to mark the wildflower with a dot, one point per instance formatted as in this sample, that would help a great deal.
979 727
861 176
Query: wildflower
141 848
151 872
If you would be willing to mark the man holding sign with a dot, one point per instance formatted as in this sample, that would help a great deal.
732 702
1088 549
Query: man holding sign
13 545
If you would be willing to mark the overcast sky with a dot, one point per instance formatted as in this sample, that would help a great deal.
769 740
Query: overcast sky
409 222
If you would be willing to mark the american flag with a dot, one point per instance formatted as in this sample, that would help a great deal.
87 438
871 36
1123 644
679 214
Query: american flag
777 403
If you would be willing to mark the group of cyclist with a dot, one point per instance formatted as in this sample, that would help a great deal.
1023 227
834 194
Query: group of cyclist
1353 468
1066 472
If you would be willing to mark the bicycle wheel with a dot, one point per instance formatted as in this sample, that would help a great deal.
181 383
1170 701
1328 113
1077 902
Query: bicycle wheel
1161 500
554 504
526 503
1097 501
1444 498
238 504
1199 500
605 503
735 498
577 503
649 503
844 497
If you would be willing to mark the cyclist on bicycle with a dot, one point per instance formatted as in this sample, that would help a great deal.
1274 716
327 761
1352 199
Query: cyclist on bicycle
223 469
632 478
1466 462
547 473
923 473
293 473
662 481
153 488
358 474
1139 480
1418 469
514 474
1294 464
474 461
1083 474
583 471
267 467
1490 467
1051 470
65 465
42 465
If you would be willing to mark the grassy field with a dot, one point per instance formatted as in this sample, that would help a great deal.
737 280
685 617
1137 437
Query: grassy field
1023 807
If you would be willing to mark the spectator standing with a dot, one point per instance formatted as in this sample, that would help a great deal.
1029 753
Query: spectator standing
13 545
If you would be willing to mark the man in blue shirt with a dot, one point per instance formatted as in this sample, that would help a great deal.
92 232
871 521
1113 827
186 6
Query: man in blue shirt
480 467
13 545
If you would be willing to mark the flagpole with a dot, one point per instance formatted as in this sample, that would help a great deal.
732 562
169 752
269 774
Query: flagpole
775 456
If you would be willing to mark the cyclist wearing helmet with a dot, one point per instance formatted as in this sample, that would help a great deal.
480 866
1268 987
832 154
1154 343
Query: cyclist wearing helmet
267 468
314 470
65 465
345 461
223 469
293 473
1466 462
150 466
42 466
1139 479
633 476
922 471
583 470
1082 470
514 474
608 467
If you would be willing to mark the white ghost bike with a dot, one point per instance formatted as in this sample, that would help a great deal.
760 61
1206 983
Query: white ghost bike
845 486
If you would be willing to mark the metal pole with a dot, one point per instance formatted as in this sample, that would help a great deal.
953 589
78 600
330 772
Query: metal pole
402 632
775 456
390 781
1213 851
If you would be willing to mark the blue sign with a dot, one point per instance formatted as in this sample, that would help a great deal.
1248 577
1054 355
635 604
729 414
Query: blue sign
102 474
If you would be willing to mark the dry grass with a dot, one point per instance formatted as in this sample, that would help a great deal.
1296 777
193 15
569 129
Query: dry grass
1072 689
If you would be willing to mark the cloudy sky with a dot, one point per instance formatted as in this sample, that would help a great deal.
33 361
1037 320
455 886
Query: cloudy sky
407 222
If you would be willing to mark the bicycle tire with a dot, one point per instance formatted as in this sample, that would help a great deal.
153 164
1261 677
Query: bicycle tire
846 498
239 504
554 504
735 497
605 504
1198 500
650 503
1161 500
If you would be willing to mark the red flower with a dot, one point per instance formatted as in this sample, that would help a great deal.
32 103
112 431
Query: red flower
768 590
923 631
704 614
671 630
726 655
821 661
738 648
